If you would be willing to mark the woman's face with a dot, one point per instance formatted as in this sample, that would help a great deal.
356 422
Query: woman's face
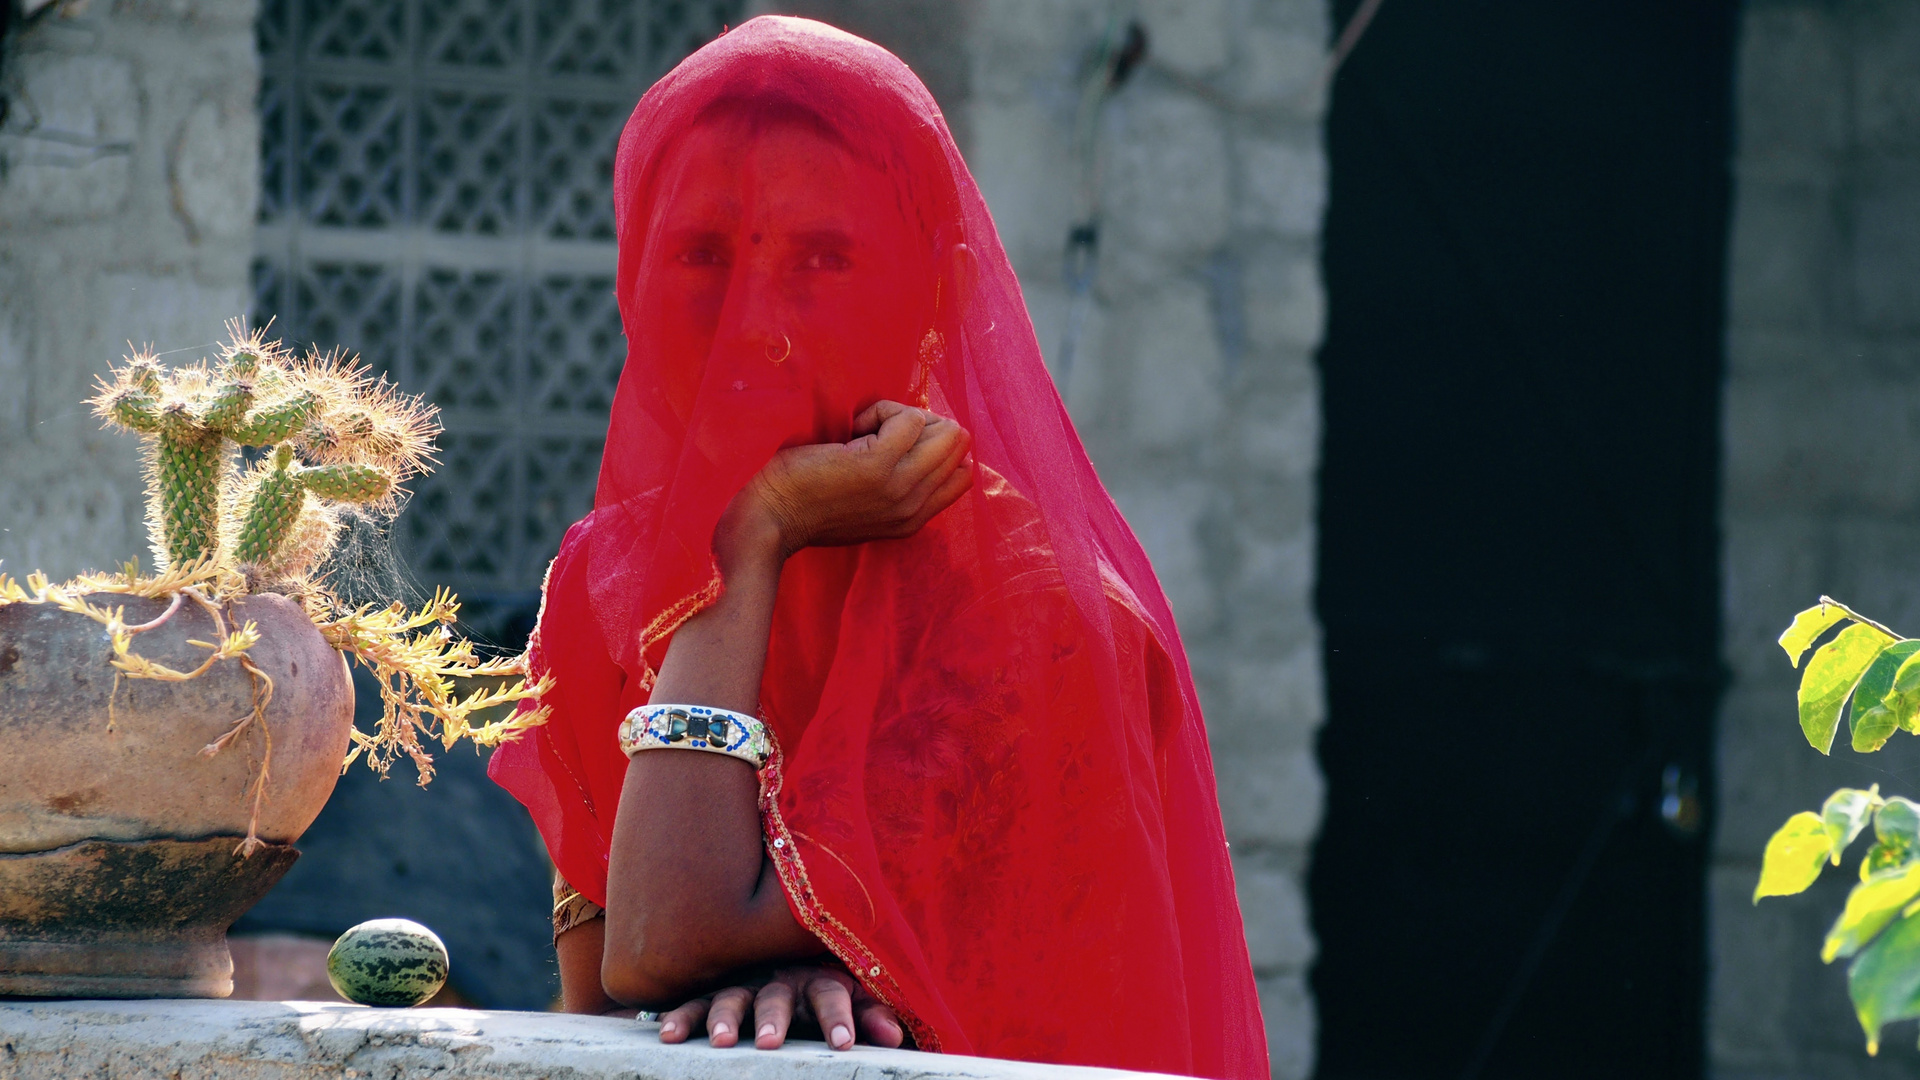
777 260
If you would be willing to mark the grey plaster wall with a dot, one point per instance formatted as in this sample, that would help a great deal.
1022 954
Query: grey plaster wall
1193 385
129 161
1821 485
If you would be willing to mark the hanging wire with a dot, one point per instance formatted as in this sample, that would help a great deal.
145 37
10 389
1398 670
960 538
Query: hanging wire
1122 48
1349 37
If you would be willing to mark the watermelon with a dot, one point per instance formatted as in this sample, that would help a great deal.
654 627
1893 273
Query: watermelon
391 962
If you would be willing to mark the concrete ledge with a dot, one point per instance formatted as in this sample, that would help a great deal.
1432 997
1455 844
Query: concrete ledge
296 1040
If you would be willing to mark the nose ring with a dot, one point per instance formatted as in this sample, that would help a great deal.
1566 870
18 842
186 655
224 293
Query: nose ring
786 341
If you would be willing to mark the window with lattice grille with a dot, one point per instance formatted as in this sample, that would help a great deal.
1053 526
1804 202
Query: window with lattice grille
435 196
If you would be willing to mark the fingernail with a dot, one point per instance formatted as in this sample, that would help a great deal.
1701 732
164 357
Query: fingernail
669 1028
841 1036
721 1028
766 1031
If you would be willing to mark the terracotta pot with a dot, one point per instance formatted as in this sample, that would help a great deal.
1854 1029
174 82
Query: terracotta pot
118 876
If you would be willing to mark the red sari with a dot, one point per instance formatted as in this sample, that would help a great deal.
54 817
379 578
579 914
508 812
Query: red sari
992 795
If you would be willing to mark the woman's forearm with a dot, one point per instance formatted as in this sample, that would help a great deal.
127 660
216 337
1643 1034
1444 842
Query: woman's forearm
690 893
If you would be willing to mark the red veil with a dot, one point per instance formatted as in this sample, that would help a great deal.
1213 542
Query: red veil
993 797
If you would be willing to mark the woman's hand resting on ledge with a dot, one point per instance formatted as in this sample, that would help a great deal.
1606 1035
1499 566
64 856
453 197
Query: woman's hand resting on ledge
904 466
814 996
689 908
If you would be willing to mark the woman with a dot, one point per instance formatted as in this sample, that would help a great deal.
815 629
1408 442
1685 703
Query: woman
841 500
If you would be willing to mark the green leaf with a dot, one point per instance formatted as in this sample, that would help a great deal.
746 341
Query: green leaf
1873 904
1896 829
1884 856
1808 625
1873 718
1897 819
1885 981
1831 675
1847 812
1905 700
1794 856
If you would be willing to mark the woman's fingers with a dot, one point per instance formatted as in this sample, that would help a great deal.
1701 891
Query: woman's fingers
898 433
678 1025
940 450
772 1014
833 1009
728 1013
953 456
955 485
881 1026
873 416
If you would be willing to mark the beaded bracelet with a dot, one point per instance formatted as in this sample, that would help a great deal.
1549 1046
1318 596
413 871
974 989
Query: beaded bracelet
695 727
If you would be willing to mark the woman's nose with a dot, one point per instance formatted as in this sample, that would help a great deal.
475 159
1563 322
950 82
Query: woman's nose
753 318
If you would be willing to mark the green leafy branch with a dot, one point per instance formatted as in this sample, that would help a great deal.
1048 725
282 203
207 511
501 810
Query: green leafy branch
1869 676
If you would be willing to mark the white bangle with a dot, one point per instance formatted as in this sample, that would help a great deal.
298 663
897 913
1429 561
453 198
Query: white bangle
695 727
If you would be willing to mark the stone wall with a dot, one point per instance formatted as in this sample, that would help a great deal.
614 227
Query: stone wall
126 207
1821 485
129 161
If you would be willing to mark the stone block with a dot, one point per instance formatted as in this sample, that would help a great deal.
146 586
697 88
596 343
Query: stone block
1022 158
215 171
1083 383
1767 772
1793 81
199 13
1824 447
1749 1004
82 510
1278 701
1781 256
1292 1026
1873 567
1886 76
1280 68
1283 186
1271 798
1772 567
1773 1008
15 356
1886 254
307 1040
1177 393
1021 48
1275 575
1286 301
1166 518
1280 433
1192 37
1311 18
1274 909
67 145
1166 176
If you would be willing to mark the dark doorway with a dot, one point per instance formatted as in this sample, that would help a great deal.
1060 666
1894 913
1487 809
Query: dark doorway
1524 256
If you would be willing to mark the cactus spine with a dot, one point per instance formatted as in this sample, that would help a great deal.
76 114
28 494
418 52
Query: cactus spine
361 438
279 513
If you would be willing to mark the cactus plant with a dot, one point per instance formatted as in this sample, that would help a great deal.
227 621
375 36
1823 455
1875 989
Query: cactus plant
334 435
272 524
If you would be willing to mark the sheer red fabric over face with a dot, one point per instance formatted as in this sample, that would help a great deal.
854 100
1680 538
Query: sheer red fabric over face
992 796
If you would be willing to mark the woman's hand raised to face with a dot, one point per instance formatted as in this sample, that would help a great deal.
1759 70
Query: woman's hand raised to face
904 466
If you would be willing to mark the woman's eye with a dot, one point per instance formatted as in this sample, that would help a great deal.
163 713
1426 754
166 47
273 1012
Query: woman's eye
826 260
702 257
